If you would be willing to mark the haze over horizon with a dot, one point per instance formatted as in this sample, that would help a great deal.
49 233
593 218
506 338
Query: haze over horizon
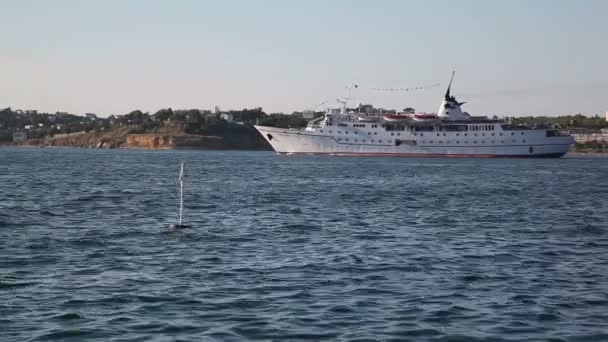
536 57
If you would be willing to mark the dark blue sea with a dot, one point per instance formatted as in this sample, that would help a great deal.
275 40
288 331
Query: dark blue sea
301 248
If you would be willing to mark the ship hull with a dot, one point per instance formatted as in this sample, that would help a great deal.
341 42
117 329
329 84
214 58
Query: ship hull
306 142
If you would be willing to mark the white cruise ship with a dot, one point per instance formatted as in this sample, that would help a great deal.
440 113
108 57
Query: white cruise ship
449 133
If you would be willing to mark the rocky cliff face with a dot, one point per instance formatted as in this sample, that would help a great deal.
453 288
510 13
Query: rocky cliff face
234 137
122 139
181 141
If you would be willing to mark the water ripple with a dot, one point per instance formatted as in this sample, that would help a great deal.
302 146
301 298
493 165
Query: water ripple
301 248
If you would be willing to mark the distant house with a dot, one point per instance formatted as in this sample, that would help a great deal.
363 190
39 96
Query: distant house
19 137
228 117
91 116
28 126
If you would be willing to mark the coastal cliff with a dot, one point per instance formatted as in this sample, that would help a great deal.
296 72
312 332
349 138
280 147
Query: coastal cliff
165 140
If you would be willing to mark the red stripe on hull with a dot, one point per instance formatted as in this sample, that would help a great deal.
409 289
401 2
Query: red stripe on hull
431 155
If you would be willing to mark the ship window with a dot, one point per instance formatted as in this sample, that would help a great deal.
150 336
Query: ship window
499 133
421 134
339 139
457 134
466 134
379 141
523 140
502 141
375 133
458 142
512 133
355 140
339 132
483 134
492 134
522 133
321 131
430 141
392 133
398 133
514 140
492 141
441 142
372 140
438 134
345 139
415 134
444 134
531 149
475 134
345 132
475 142
369 133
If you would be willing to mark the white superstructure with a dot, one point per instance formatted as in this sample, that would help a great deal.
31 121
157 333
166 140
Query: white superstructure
449 133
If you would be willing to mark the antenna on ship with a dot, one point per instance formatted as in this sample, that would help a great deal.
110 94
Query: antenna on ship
180 198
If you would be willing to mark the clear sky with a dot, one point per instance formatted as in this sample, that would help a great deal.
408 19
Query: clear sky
512 57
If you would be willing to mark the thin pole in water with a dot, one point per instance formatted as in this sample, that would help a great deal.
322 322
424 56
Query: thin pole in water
181 193
180 212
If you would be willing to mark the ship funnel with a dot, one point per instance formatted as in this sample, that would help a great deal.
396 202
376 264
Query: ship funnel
450 108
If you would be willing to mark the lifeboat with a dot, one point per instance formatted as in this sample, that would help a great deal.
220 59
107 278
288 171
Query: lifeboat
396 118
425 117
366 118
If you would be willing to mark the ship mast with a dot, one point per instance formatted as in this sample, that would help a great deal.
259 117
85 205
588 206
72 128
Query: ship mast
447 93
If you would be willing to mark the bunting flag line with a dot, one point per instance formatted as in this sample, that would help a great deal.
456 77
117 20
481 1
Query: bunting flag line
408 89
